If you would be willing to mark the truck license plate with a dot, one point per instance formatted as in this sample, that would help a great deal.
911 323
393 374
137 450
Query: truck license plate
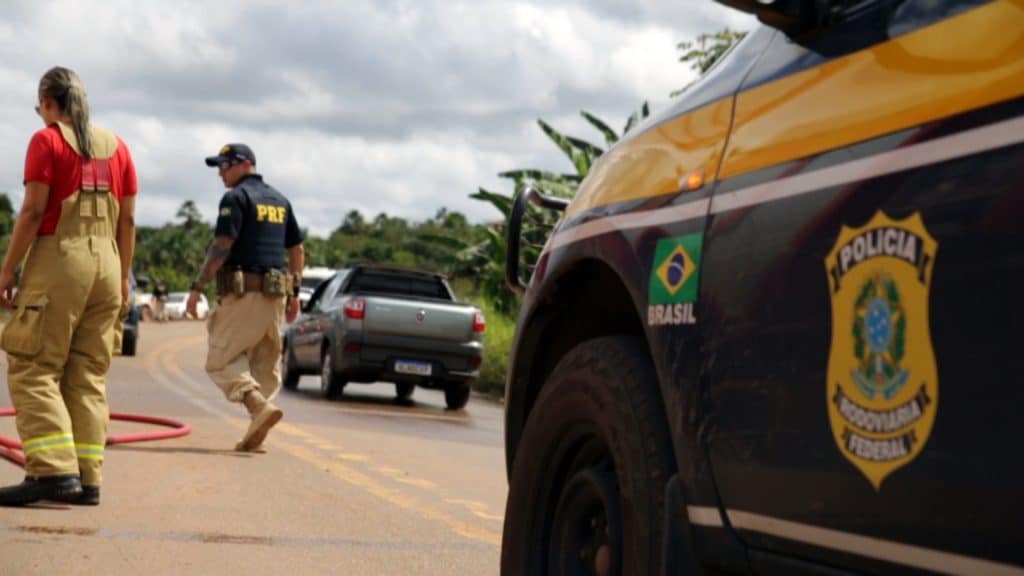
412 367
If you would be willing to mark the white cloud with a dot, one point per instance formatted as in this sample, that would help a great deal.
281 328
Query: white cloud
400 106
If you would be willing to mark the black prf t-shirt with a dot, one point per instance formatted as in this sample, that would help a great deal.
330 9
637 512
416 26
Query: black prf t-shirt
261 221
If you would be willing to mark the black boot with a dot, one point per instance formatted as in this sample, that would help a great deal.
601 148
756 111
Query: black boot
90 496
41 488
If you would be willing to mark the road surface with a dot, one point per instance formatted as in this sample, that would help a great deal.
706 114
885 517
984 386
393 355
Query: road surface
357 485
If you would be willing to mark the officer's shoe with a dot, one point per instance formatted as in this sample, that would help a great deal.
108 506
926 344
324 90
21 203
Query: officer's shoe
90 496
262 422
41 488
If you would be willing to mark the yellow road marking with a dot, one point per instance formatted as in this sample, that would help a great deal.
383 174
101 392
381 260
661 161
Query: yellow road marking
402 476
417 482
166 353
402 415
392 496
353 457
477 508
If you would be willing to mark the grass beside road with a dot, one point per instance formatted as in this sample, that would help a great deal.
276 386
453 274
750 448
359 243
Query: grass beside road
497 348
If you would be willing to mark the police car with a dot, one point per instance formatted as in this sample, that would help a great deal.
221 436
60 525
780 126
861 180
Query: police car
777 329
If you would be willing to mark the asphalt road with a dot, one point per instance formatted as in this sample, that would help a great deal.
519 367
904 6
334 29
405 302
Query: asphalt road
357 485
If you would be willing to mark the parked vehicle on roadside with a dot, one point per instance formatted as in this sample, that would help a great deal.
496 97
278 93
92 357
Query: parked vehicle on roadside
175 306
376 323
130 331
776 329
312 277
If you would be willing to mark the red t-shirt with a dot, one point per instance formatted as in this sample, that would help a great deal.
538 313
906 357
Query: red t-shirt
50 160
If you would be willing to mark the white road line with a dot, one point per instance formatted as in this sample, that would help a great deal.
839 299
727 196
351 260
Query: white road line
869 547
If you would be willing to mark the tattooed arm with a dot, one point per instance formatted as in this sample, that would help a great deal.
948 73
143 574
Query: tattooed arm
216 255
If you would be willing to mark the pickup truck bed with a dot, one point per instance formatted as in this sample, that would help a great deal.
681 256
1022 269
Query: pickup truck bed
371 323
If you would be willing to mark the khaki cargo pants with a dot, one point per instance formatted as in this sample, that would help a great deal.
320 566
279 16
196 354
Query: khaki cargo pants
60 339
245 344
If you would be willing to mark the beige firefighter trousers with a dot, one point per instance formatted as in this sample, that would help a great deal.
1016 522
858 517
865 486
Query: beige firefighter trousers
245 344
60 338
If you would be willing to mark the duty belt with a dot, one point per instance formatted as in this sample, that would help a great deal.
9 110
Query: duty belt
251 282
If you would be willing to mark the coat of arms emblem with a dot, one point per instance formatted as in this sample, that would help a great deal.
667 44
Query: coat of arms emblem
882 388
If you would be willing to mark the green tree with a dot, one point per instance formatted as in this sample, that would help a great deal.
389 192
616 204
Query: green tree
189 213
485 259
702 52
6 221
173 252
354 223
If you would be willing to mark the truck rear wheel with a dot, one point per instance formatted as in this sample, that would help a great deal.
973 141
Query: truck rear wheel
586 494
404 390
456 394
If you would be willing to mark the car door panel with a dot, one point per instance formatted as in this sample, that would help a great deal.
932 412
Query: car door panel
311 325
919 134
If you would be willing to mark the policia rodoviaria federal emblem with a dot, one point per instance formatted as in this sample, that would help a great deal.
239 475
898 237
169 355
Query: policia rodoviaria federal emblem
883 388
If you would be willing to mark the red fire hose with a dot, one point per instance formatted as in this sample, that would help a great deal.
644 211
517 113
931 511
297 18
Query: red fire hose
11 449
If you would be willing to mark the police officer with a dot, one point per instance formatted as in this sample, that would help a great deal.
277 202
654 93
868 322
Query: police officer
256 227
78 218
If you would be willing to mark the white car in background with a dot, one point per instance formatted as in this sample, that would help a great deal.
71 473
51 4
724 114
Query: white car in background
175 306
311 278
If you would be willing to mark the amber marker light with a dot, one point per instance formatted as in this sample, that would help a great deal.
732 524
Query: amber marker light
694 180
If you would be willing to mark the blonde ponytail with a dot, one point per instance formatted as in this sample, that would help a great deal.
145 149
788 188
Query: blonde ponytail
66 88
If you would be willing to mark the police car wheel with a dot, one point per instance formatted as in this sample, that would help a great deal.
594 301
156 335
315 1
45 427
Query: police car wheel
331 383
587 489
289 373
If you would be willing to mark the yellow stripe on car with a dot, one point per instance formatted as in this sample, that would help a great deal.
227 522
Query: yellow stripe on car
971 60
663 160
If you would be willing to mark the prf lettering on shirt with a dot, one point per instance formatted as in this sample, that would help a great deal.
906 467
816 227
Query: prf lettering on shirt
274 214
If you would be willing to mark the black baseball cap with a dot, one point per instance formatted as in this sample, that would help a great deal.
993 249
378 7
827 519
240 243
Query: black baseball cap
232 153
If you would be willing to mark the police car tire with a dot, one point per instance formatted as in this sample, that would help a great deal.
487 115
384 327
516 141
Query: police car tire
289 374
605 387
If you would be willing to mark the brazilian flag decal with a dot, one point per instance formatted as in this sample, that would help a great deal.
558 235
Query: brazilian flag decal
675 270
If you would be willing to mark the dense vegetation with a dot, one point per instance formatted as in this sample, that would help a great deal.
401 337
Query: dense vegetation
473 255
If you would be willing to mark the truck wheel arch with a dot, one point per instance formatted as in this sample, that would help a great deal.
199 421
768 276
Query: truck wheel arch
569 312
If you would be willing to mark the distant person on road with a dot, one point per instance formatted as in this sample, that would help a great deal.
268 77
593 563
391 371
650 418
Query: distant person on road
256 229
160 301
77 224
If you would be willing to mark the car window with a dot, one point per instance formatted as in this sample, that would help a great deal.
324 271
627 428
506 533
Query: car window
312 282
176 297
720 81
398 284
331 289
314 299
325 291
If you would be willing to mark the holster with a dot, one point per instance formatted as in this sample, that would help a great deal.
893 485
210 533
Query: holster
239 282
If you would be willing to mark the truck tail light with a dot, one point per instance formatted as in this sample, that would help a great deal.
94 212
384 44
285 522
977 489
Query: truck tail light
355 308
474 361
479 323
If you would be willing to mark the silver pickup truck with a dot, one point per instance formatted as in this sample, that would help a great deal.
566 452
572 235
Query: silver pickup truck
372 323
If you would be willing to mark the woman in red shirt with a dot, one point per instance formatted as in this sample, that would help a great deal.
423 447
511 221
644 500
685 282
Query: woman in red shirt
77 224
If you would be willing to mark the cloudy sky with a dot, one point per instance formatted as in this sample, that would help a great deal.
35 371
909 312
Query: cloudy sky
396 106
